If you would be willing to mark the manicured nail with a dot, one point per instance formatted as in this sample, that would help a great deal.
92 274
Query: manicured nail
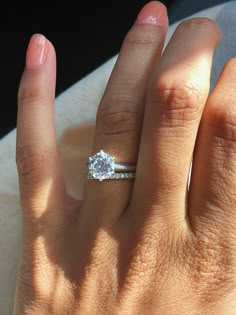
36 52
154 13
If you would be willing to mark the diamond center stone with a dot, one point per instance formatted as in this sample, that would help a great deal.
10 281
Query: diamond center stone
101 165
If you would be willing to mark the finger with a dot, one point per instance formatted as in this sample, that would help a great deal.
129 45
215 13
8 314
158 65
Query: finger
40 177
213 182
176 98
120 113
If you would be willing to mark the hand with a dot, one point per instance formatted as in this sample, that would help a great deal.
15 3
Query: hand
147 245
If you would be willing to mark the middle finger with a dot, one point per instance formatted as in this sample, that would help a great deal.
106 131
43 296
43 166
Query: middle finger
176 98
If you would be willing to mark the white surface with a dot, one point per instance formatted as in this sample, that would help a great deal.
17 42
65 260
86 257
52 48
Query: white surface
76 105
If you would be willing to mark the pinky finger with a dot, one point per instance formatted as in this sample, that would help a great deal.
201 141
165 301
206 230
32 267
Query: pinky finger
40 177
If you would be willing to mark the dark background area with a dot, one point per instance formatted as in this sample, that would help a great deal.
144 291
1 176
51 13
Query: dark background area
95 35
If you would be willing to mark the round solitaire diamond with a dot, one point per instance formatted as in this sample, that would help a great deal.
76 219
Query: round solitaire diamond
101 165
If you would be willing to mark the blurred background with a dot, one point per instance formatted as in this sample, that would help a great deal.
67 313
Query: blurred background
82 43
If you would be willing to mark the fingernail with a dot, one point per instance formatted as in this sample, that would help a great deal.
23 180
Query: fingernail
154 13
36 52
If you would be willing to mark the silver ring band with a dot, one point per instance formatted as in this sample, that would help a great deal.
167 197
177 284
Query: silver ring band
122 167
115 176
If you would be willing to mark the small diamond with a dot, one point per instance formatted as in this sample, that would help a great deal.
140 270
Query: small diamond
101 165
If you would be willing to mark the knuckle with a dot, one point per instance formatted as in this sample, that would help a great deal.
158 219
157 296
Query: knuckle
28 96
123 120
178 103
224 123
138 38
31 161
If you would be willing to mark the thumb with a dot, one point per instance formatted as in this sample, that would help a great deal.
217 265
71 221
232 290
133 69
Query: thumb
40 174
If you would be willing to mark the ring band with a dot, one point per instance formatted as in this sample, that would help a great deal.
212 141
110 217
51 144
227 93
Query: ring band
122 167
102 166
115 176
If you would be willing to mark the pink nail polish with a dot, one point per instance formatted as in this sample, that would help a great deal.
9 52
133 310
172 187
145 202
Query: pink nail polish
36 52
154 13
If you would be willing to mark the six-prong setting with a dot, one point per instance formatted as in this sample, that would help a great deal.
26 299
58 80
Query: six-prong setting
101 166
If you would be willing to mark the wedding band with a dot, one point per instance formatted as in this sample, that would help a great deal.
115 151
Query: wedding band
102 166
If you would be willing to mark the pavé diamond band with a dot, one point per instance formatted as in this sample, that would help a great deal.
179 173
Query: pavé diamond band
102 166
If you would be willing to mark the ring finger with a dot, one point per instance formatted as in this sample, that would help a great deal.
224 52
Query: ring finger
120 113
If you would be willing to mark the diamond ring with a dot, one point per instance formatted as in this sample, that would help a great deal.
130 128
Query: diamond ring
103 166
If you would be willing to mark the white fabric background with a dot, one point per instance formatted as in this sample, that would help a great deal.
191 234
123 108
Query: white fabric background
76 105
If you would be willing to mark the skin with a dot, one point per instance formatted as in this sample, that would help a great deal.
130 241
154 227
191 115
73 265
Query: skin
151 245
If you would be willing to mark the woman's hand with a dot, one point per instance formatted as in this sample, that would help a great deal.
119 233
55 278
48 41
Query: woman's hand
147 245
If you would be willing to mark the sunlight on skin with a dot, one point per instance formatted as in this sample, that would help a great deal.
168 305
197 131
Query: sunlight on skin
39 200
49 283
126 246
75 146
